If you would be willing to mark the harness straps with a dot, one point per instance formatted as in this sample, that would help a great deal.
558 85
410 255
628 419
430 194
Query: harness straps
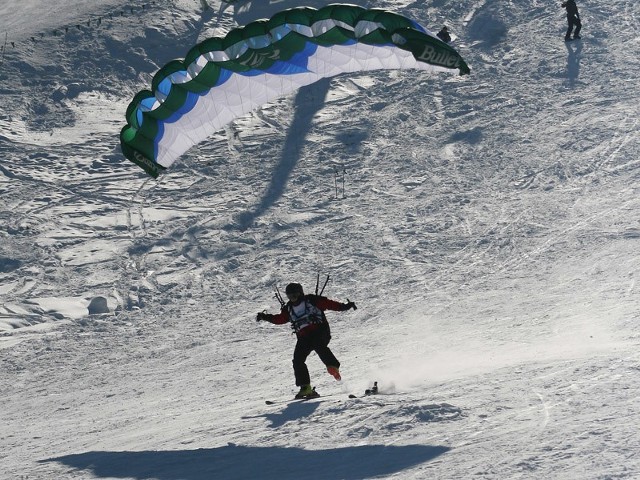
304 314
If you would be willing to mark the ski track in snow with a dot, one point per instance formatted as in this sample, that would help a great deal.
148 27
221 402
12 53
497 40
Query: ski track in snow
487 230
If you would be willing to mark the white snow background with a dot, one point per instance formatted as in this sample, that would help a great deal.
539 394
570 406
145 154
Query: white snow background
487 226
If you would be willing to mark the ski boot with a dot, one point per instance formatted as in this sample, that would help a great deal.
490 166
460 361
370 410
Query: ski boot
306 391
334 372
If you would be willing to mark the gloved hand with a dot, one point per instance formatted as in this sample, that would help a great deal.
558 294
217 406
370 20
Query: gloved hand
262 316
349 305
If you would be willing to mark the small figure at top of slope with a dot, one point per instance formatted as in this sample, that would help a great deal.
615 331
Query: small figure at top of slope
573 20
444 35
307 318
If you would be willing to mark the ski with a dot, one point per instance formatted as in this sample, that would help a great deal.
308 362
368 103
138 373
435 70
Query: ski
369 391
295 399
290 400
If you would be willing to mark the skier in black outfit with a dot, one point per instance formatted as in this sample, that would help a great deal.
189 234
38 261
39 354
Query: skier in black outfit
443 35
573 20
306 315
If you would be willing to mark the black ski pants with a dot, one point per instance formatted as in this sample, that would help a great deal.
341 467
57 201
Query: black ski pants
317 341
573 21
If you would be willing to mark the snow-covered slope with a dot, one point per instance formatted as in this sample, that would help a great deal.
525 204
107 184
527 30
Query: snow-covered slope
487 227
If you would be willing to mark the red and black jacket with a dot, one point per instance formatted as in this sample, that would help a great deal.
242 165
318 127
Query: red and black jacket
308 315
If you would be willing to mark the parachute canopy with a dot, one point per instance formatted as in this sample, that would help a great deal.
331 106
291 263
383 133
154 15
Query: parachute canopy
223 78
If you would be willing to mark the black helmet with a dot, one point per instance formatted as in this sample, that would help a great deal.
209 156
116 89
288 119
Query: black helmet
294 288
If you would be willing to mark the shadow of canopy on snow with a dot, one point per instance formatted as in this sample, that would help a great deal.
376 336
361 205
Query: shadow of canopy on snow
241 462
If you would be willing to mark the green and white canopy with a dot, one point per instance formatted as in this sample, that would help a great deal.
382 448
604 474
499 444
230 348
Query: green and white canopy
223 78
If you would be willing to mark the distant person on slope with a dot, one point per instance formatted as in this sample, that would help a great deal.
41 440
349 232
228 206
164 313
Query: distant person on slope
443 35
306 315
573 19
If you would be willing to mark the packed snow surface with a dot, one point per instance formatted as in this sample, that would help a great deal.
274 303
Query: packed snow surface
487 227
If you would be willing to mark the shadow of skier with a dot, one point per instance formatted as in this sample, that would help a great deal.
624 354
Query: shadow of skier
573 61
293 411
309 100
